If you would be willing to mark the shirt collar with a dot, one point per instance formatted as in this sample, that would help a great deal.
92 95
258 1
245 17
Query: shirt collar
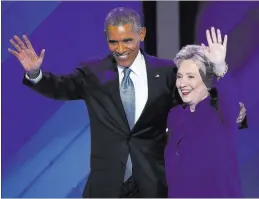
136 65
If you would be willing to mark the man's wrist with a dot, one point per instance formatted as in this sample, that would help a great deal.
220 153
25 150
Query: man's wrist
33 74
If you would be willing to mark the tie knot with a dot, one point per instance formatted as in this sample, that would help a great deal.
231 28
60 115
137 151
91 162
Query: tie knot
127 72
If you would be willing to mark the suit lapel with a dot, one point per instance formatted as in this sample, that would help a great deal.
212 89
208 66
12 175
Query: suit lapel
112 82
152 80
113 86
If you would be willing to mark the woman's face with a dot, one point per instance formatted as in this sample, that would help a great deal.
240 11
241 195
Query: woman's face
189 83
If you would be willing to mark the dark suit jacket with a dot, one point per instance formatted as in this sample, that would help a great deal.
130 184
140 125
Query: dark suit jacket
97 83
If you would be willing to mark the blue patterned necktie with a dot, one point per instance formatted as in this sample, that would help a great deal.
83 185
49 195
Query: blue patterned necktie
127 93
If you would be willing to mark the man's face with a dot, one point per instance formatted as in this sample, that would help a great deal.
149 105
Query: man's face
124 43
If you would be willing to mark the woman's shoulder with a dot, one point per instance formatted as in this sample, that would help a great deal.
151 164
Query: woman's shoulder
176 116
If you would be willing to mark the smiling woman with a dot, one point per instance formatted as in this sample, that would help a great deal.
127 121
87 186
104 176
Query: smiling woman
194 76
201 159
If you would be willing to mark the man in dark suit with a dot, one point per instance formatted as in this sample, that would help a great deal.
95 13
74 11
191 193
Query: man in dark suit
128 95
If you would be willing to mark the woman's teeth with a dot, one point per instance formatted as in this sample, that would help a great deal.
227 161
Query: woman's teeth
186 92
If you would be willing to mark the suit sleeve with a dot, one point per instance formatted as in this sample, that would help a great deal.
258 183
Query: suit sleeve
59 87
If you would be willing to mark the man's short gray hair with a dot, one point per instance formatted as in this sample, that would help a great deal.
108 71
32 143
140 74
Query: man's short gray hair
121 16
197 54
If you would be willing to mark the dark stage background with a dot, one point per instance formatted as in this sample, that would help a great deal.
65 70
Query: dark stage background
45 143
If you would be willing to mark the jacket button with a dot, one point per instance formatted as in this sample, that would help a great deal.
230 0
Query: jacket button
129 137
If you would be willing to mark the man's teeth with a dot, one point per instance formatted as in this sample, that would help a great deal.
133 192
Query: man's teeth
123 56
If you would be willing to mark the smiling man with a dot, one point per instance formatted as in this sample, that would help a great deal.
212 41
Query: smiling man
124 39
128 95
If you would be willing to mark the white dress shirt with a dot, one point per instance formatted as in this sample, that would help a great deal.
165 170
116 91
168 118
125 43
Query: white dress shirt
139 78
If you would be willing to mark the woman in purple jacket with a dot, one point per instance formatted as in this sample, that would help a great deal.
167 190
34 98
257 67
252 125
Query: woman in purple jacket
201 159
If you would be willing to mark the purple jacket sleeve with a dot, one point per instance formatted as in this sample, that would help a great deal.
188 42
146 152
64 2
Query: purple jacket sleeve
228 100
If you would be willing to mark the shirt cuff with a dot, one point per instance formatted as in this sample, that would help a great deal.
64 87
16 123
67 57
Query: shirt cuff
36 80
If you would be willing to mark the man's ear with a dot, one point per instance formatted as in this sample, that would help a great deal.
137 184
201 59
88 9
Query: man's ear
142 33
105 34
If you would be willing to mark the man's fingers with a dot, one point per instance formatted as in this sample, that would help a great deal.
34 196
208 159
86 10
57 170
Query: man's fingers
13 52
241 118
242 113
239 121
17 47
27 42
42 54
242 107
20 42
